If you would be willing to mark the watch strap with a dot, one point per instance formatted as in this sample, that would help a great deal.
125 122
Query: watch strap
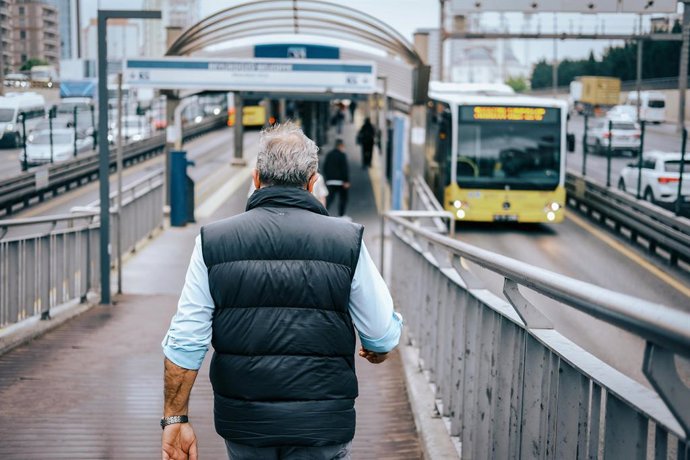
173 419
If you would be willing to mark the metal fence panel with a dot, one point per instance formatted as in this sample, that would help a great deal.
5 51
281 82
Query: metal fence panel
48 261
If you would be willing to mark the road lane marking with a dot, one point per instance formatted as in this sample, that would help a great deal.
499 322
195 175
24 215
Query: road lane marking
220 196
630 254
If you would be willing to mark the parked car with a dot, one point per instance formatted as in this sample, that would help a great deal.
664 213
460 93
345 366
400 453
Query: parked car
38 146
17 80
659 179
134 129
64 121
622 111
67 105
624 135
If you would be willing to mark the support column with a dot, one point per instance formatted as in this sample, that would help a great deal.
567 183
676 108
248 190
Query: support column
238 155
269 110
683 74
171 102
441 37
282 109
312 113
638 79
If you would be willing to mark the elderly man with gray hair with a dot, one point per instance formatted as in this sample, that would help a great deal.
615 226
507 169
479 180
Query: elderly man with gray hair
279 291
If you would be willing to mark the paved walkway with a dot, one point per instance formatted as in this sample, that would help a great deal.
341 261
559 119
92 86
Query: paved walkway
92 389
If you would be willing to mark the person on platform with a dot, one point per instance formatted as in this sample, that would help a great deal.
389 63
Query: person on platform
277 291
366 137
352 108
336 171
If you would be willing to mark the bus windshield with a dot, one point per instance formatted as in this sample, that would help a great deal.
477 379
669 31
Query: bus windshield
6 115
515 147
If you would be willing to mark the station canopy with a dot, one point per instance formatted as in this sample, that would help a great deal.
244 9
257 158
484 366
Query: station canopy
396 58
565 6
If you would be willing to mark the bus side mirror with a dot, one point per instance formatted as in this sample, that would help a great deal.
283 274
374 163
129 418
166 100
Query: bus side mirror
570 141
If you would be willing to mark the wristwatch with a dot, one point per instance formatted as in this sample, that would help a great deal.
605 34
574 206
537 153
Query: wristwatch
165 421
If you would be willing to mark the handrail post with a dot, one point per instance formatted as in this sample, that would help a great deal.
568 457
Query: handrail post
639 159
679 198
608 155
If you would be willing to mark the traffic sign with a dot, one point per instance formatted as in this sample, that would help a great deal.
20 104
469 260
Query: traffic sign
264 75
565 6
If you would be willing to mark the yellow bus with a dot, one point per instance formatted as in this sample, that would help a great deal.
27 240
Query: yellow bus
253 114
494 156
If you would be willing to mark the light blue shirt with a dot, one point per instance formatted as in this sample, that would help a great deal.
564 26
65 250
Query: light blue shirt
371 308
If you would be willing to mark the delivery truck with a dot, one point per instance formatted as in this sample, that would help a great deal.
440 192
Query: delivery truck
594 95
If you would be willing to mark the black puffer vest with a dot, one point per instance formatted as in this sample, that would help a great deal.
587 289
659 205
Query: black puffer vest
283 371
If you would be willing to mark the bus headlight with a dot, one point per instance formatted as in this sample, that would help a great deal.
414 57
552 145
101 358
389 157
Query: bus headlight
551 216
457 204
9 127
555 206
460 213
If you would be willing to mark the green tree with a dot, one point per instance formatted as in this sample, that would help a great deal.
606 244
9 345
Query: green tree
31 63
541 75
519 84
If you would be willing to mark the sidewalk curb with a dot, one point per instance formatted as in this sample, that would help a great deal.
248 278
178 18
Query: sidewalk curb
434 437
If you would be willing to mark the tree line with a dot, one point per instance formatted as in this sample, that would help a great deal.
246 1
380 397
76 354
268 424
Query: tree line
660 59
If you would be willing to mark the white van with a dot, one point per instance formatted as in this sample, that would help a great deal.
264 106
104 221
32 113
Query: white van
32 105
652 105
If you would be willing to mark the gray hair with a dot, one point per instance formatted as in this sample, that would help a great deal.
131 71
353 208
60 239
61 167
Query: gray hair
286 156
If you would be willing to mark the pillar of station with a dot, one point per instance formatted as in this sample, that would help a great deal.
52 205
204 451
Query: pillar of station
238 154
418 131
268 105
313 120
282 108
321 126
172 100
683 71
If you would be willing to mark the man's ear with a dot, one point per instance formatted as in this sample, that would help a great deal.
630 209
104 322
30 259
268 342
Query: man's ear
255 178
312 181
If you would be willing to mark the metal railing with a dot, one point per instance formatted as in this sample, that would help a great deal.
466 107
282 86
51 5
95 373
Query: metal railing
660 228
513 387
507 383
23 190
48 261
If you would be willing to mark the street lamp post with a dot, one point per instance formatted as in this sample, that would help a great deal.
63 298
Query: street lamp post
103 149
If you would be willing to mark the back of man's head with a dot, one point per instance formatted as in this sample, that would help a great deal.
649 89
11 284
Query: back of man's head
339 144
286 156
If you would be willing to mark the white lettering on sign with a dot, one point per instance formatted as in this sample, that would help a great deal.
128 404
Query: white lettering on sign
249 67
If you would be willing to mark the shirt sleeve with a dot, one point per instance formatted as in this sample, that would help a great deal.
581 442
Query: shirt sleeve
187 340
371 307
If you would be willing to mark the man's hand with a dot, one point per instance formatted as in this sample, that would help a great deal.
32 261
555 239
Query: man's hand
372 356
179 442
346 185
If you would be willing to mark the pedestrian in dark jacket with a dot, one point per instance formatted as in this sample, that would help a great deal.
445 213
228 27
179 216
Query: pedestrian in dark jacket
337 174
366 138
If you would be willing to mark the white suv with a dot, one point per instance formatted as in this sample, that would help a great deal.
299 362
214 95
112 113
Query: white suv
624 134
660 177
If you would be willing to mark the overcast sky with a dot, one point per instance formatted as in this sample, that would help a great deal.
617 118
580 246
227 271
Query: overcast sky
408 15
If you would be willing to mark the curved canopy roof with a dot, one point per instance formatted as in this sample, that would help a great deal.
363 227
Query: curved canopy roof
277 17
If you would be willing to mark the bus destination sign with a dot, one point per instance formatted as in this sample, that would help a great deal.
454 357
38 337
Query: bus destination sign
509 113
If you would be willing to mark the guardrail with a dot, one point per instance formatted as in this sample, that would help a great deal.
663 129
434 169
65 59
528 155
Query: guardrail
48 261
508 384
660 229
22 190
